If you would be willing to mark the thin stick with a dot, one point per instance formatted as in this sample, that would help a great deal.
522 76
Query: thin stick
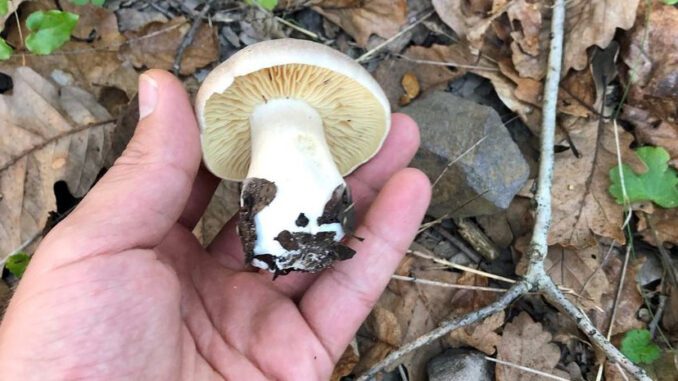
525 369
620 287
299 29
188 37
447 63
475 257
451 163
377 48
460 267
658 314
446 285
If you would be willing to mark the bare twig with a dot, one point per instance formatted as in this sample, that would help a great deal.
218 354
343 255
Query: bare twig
658 314
189 36
472 255
461 267
429 282
536 278
447 64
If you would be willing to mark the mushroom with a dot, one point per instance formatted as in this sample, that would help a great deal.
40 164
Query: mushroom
290 118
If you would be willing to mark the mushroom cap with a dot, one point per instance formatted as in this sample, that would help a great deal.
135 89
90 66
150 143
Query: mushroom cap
353 107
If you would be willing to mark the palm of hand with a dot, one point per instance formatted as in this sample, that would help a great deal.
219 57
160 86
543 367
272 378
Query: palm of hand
121 289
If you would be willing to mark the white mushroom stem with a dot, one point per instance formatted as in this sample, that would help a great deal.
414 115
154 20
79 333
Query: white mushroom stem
289 149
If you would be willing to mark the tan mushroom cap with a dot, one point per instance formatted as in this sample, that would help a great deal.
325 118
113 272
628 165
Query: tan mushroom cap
352 105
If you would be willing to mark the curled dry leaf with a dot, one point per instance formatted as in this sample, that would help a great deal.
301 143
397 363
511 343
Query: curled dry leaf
652 56
155 46
652 131
50 134
665 222
347 362
582 205
410 84
468 19
381 17
526 343
530 38
593 22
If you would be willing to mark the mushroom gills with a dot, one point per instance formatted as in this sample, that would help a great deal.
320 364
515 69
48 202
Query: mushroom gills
294 202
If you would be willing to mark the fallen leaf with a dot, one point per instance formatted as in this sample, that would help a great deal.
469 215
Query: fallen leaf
50 134
410 84
347 362
155 46
670 317
482 335
593 22
469 19
665 223
652 56
582 206
652 131
580 271
416 308
222 207
526 343
530 38
630 300
381 17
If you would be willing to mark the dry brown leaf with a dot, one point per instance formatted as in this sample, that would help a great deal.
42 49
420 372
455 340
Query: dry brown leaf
582 205
530 38
652 55
50 134
526 343
593 22
580 271
155 46
630 300
670 318
665 222
96 23
381 17
347 362
650 130
223 205
410 84
469 19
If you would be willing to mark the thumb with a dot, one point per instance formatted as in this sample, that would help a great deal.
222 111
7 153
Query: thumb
142 195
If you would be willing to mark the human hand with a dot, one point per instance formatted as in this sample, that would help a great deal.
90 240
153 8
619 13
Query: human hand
121 289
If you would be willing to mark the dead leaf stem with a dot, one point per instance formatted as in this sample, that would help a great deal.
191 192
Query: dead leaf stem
536 278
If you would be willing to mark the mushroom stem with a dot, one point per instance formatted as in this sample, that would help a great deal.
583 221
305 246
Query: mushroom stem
290 151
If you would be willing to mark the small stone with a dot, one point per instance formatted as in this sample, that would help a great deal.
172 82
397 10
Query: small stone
485 179
445 250
459 365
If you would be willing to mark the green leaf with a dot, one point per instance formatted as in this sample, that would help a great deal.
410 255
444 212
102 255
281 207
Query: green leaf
638 346
670 2
83 2
269 5
5 50
4 7
659 183
16 264
49 30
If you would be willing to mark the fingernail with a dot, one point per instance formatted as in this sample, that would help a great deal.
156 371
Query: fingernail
148 95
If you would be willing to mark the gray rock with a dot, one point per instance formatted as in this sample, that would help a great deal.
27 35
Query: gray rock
485 179
459 365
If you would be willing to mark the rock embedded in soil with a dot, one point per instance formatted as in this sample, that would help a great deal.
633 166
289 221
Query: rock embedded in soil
459 365
484 180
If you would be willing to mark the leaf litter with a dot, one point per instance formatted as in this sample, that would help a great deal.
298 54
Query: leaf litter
505 42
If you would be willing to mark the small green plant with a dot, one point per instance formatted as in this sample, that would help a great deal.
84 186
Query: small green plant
5 50
638 346
659 183
266 4
670 2
49 30
4 7
16 264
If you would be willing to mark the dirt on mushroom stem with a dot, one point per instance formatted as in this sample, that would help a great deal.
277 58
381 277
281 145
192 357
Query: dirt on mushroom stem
294 201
